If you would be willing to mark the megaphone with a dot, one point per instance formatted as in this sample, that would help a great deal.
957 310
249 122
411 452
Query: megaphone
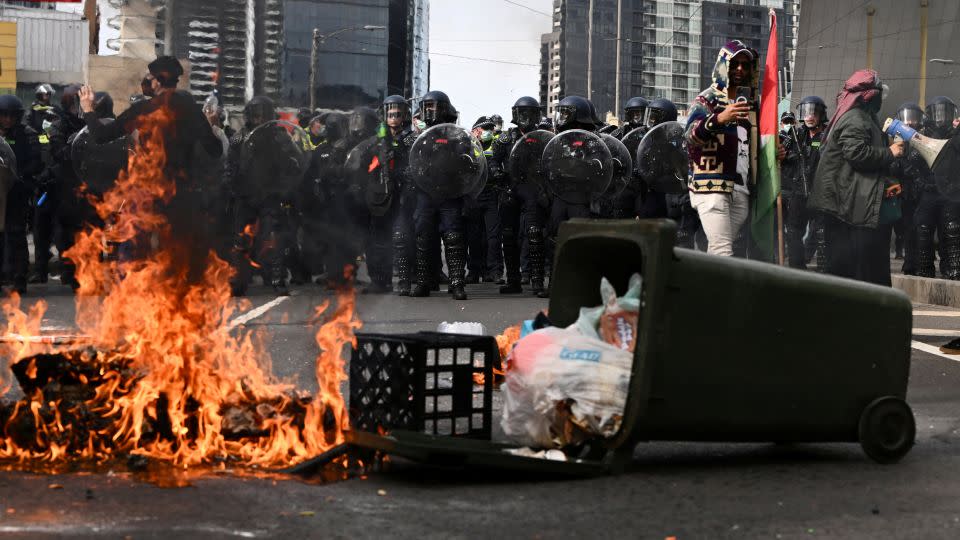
928 148
942 155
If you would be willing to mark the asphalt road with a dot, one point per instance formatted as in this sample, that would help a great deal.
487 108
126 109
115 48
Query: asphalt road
680 490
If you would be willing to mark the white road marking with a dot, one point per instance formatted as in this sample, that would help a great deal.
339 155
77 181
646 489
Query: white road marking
930 349
257 312
60 339
935 332
936 313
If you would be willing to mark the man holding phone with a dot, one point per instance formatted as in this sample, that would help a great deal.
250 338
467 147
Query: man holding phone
717 134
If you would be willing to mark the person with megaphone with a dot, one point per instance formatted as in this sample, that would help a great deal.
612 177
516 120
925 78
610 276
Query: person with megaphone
850 188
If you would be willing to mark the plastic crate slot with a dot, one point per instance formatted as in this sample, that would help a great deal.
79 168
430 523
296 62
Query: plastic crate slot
444 426
476 421
479 359
478 400
431 381
445 380
463 357
446 357
444 403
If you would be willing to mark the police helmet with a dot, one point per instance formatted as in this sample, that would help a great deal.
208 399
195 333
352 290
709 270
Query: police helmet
525 113
812 107
910 114
44 89
660 110
103 105
941 111
363 122
257 111
574 112
395 104
10 105
70 98
435 108
634 110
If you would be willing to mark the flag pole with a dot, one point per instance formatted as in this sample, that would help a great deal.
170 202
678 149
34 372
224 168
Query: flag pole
779 222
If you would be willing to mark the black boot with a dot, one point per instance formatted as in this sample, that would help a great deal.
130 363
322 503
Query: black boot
951 240
401 259
925 251
424 264
511 258
536 257
820 231
456 252
278 279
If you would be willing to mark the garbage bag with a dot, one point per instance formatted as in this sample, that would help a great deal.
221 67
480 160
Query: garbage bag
562 388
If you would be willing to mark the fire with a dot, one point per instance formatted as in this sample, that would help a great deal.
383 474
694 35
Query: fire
163 377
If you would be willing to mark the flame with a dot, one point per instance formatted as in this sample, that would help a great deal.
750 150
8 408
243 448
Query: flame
164 376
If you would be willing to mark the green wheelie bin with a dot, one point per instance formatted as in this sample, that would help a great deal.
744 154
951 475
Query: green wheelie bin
732 350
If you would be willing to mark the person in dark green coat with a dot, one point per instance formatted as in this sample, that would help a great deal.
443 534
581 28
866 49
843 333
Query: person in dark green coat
850 184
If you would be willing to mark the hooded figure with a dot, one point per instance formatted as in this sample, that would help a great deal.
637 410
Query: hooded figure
717 134
849 187
713 146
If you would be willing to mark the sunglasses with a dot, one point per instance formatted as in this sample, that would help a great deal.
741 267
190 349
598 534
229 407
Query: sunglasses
392 115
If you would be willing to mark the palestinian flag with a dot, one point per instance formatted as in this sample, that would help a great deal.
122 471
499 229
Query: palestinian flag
764 224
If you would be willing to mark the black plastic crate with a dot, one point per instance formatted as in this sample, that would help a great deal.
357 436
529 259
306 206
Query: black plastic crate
425 382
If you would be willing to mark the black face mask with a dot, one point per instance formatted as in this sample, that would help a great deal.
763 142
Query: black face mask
873 106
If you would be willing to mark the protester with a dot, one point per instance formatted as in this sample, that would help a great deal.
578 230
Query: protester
849 186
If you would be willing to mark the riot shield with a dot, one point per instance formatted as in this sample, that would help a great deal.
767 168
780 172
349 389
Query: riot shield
578 165
622 165
447 163
632 139
273 159
8 175
662 160
946 170
98 165
368 179
525 157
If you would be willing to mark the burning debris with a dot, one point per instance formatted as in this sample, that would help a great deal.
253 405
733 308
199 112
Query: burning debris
162 377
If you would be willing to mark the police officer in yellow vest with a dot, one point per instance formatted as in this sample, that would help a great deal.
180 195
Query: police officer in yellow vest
26 146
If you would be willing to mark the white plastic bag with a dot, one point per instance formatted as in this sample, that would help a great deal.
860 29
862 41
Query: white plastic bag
562 388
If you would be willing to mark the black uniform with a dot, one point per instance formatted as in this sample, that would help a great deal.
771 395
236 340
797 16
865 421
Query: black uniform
799 166
916 179
189 243
443 218
935 214
24 142
521 206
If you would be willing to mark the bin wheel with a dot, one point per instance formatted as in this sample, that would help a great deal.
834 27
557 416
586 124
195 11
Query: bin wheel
887 429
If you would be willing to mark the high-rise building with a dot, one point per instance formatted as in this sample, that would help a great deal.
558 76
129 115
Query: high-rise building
366 49
912 45
611 50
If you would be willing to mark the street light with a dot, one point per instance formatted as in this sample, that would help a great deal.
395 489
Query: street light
319 39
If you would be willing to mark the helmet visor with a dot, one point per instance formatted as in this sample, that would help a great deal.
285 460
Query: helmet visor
565 116
431 111
526 117
808 111
654 117
635 117
942 114
911 117
395 111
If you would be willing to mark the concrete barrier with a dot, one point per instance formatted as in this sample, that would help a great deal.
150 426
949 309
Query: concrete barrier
940 292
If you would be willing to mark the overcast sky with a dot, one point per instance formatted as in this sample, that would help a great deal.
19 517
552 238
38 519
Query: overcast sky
493 29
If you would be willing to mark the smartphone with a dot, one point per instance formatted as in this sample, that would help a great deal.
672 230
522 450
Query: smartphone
744 95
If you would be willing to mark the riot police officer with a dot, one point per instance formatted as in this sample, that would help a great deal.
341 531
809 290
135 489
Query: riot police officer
26 147
444 217
633 114
573 112
519 203
482 223
256 216
915 179
933 210
393 151
42 110
802 154
377 164
497 124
